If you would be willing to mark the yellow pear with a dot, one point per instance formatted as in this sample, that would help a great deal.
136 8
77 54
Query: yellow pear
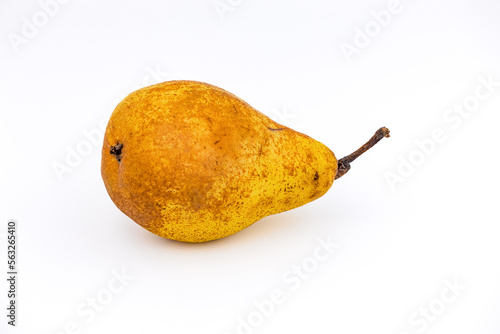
192 162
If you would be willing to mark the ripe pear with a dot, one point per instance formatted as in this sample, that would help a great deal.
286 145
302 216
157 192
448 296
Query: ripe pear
192 162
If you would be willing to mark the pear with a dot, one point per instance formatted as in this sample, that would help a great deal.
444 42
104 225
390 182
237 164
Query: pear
192 162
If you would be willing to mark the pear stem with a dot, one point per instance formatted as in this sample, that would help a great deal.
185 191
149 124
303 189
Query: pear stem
344 164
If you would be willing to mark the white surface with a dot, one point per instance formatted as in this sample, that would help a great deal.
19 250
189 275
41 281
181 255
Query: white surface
397 248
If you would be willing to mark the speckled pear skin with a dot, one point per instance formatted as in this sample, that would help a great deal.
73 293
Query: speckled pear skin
192 162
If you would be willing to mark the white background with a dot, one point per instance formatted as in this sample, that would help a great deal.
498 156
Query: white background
398 245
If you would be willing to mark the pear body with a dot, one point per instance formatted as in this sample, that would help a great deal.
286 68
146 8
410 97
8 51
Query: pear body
192 162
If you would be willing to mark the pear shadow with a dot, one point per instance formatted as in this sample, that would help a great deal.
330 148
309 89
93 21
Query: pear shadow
270 227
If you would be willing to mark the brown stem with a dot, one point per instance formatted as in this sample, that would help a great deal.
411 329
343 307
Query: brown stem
344 164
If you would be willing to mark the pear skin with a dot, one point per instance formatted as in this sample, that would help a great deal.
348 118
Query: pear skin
192 162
